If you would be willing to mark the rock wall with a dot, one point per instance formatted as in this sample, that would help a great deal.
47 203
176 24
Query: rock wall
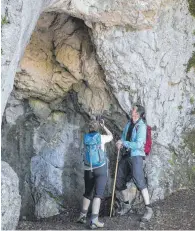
60 57
138 15
149 67
17 147
11 200
20 17
70 73
57 170
44 146
58 87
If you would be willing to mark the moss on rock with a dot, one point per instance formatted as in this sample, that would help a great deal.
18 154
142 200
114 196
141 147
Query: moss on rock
40 108
192 7
57 115
4 20
190 141
191 174
191 62
192 100
58 199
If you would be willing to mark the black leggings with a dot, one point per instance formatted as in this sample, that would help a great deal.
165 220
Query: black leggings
131 168
97 180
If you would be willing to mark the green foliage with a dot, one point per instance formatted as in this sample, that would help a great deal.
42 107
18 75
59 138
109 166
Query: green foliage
58 199
191 62
192 112
192 100
129 28
4 20
171 162
189 141
173 159
191 173
191 7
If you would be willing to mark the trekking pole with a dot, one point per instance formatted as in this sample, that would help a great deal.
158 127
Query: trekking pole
113 191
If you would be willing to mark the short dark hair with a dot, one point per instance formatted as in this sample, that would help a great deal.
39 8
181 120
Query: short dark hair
140 110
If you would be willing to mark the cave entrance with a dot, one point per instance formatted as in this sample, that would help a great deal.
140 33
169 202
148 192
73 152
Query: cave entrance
59 85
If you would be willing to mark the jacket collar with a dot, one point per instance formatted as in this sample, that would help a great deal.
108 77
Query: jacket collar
131 121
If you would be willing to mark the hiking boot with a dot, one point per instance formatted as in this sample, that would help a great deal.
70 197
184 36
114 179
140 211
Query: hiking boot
148 214
82 218
96 224
125 209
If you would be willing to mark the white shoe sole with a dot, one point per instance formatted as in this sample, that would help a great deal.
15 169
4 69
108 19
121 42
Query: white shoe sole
94 226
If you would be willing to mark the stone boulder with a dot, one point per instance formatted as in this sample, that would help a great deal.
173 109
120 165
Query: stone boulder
10 198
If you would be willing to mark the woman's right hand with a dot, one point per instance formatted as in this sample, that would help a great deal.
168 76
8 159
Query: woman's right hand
102 123
119 144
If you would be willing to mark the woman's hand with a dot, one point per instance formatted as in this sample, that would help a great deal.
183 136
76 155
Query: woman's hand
102 123
119 144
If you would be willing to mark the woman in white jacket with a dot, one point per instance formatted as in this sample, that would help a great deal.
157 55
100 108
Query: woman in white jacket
95 178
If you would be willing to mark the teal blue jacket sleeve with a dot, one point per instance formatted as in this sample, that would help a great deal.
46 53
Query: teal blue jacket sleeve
124 134
140 139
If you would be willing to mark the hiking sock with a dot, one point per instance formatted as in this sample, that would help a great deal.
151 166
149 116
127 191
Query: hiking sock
148 213
84 212
145 195
94 217
82 217
95 223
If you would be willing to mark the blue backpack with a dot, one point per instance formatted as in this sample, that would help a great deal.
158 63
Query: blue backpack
94 156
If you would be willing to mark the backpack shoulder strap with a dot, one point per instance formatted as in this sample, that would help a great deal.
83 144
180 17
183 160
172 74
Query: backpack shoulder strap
99 138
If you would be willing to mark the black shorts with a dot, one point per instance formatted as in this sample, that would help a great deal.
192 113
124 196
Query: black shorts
95 181
131 168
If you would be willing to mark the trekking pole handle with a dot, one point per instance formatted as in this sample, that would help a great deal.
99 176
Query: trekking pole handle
114 182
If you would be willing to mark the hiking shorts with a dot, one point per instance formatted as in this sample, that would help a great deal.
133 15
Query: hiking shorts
95 182
131 168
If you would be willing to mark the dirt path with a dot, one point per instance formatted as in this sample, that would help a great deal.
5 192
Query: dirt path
175 212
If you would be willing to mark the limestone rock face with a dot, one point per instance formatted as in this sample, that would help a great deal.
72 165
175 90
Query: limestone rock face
60 57
149 67
14 110
17 148
45 146
11 200
48 90
124 52
135 14
40 74
21 18
57 169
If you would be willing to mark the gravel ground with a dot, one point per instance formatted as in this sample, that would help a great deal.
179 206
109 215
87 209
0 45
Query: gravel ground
175 212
